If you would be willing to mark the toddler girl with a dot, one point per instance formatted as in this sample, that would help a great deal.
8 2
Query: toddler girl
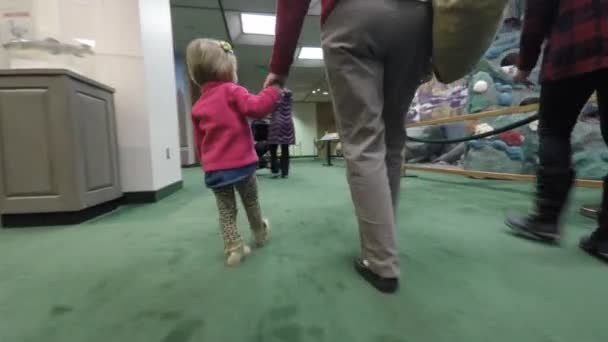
223 139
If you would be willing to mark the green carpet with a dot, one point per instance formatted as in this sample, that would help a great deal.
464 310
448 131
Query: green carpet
155 272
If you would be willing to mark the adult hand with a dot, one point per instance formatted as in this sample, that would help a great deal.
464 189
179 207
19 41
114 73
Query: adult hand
522 76
274 79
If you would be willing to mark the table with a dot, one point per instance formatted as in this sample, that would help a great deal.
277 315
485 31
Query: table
329 138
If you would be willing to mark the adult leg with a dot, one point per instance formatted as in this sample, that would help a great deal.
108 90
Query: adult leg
597 243
356 86
274 160
403 72
248 190
355 52
560 105
234 248
284 160
356 82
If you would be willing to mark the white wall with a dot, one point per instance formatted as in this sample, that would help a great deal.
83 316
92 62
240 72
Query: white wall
12 6
159 66
305 122
114 25
47 17
119 62
134 55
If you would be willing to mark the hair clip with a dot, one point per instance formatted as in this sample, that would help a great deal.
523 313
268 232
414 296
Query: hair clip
226 47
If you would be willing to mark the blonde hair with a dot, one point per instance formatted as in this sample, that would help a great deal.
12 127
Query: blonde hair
210 60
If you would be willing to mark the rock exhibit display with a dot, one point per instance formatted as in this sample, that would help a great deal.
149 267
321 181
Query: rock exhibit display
489 87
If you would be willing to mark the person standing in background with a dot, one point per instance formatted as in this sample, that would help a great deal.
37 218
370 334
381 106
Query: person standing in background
259 128
281 133
575 66
375 53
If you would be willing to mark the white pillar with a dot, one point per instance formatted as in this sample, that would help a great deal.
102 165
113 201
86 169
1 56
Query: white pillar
159 69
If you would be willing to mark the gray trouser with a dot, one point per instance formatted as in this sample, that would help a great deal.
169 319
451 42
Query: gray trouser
376 53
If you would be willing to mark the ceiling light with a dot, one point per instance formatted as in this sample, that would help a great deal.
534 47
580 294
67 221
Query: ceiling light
325 93
258 24
311 53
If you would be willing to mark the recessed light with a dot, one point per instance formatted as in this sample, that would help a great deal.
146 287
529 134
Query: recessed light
311 53
325 93
258 24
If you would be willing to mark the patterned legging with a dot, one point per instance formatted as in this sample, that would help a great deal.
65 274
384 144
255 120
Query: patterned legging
226 204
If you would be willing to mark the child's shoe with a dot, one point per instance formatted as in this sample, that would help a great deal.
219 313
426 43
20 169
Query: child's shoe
236 256
262 236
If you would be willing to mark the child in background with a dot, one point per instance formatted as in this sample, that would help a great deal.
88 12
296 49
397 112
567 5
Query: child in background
224 142
281 133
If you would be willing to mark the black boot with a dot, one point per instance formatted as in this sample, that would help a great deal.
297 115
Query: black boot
597 243
553 188
284 161
384 285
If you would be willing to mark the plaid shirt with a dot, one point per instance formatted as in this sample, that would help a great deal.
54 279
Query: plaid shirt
576 32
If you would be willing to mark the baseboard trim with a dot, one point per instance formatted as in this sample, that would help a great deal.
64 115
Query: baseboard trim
58 219
77 217
142 197
169 190
303 157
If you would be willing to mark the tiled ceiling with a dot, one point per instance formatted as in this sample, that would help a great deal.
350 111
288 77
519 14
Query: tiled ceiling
204 18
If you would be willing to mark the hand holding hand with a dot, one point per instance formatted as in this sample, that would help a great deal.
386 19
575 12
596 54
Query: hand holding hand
275 80
522 76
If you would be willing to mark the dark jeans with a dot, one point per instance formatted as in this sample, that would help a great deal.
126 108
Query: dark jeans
561 103
274 160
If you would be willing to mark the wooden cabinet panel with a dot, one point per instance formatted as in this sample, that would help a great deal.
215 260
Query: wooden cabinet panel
58 148
26 143
95 128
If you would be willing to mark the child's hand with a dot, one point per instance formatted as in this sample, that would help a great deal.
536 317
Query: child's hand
274 79
522 76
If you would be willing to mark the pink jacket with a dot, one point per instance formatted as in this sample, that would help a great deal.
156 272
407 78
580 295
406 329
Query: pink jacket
222 133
